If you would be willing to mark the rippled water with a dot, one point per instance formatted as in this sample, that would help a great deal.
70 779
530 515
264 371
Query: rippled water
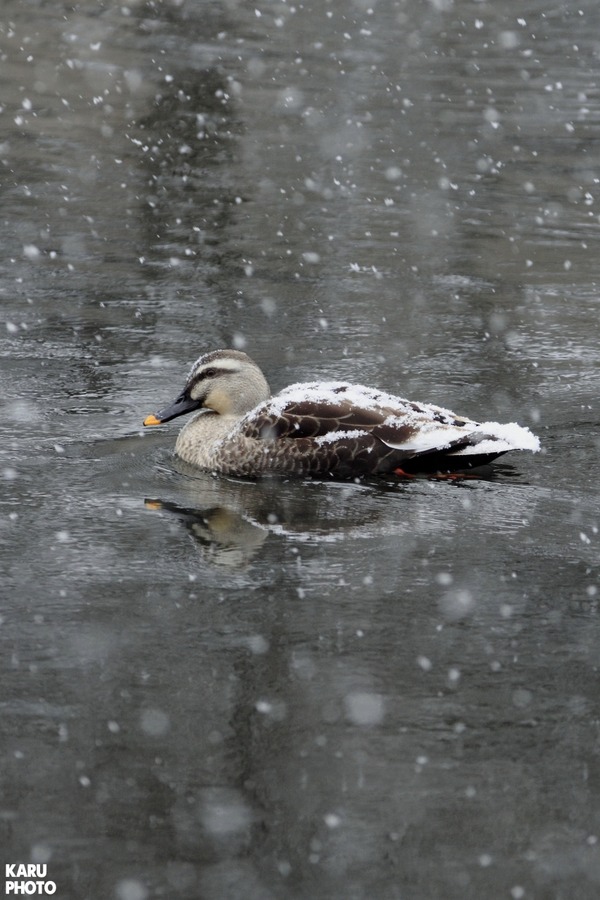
215 688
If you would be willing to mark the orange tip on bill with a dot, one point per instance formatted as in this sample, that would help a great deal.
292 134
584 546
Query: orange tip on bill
151 420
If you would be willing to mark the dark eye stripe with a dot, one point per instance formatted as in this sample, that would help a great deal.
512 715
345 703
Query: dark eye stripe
212 372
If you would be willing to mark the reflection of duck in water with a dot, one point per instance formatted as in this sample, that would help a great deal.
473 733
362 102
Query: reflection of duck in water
229 539
232 520
322 428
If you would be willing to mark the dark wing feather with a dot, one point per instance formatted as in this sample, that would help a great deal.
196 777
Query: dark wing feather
307 419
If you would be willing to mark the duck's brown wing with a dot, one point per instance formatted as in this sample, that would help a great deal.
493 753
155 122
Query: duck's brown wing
310 419
345 431
330 411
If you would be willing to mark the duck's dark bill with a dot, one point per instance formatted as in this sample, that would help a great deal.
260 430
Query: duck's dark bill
180 407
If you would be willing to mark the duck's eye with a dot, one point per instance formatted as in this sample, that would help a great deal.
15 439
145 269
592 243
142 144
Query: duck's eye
210 373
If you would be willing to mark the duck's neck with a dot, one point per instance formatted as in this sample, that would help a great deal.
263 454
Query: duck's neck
196 440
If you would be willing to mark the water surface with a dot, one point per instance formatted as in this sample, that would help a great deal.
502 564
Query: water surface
216 688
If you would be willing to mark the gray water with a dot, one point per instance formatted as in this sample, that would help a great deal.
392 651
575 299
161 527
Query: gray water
223 689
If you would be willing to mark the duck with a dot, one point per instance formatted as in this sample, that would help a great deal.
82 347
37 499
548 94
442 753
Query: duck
322 428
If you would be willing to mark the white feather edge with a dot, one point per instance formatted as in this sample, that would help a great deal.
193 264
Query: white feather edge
491 437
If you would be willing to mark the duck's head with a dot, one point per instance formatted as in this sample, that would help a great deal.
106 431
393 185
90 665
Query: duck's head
225 381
